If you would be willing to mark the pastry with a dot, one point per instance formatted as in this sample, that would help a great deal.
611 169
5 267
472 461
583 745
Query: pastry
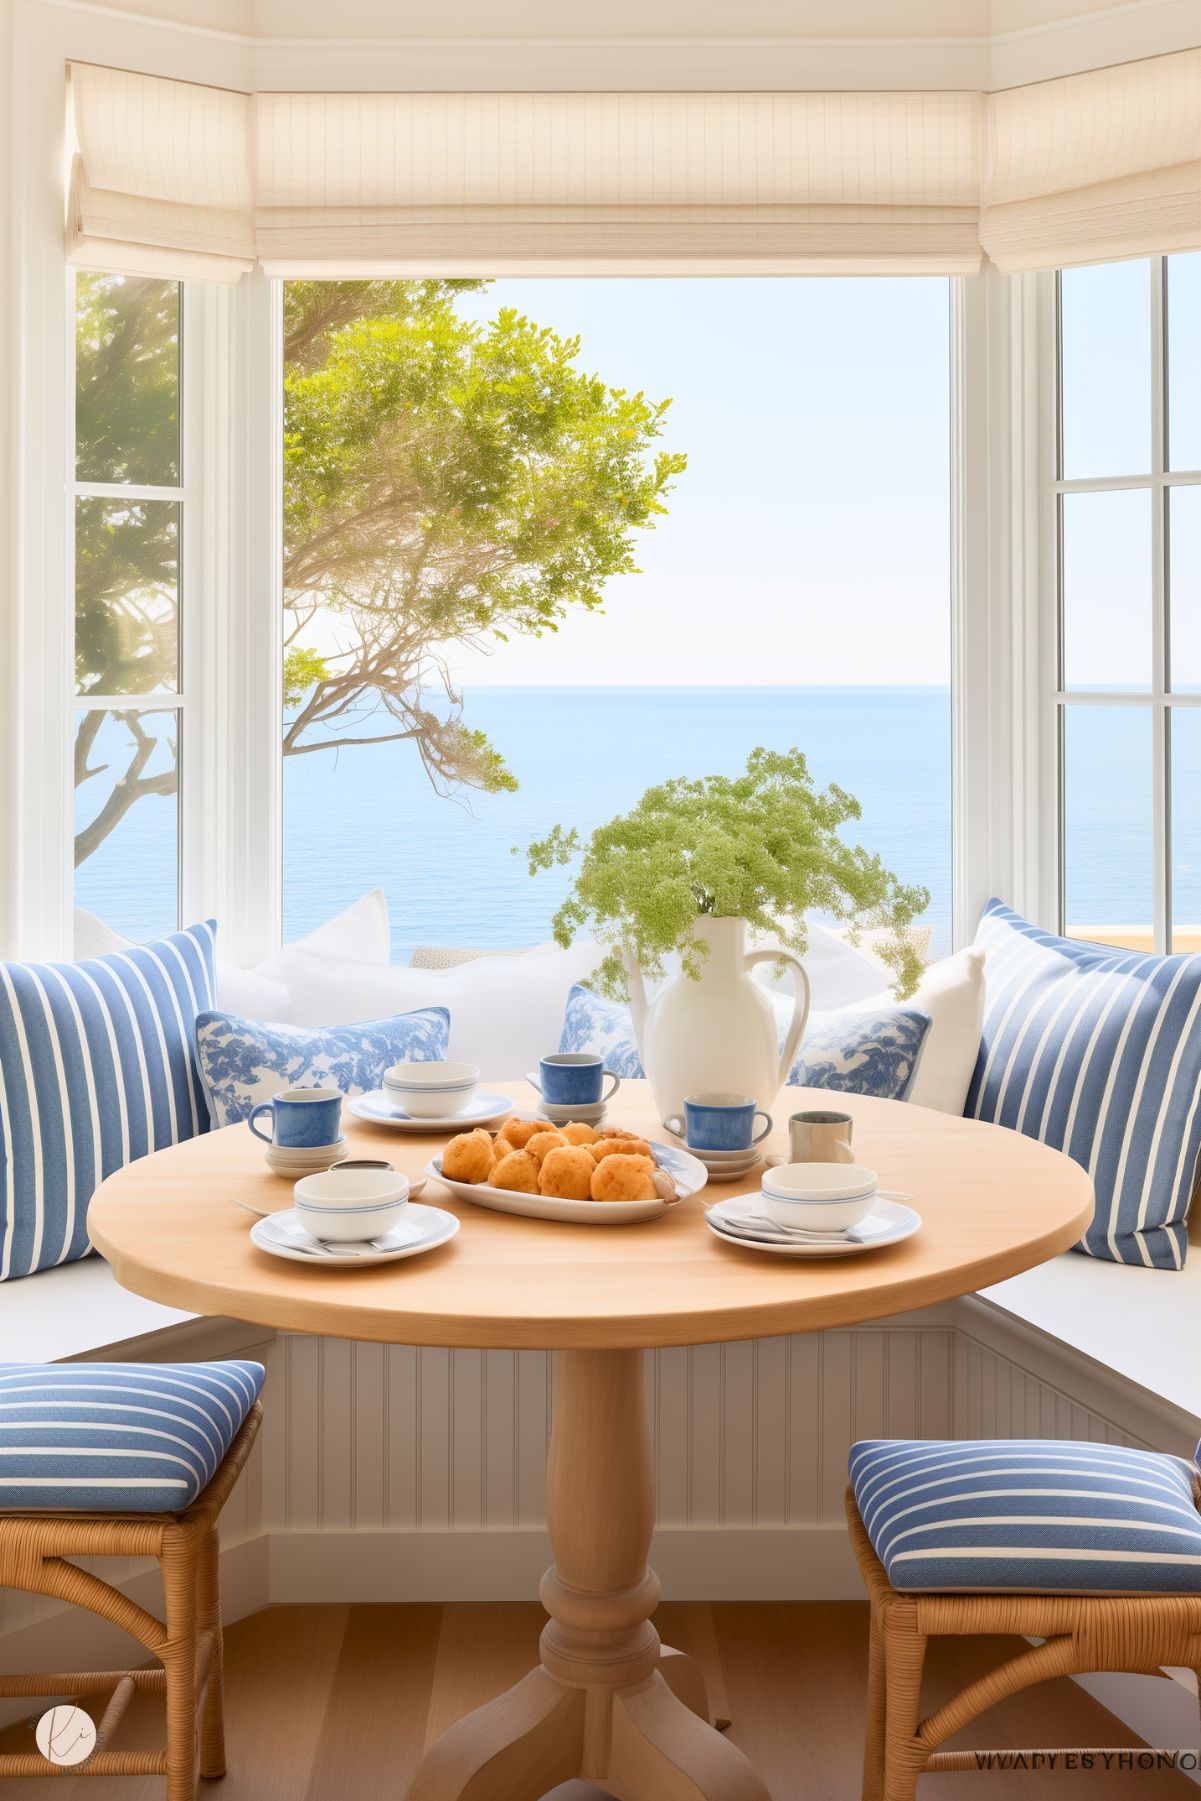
468 1157
520 1131
542 1142
623 1178
567 1172
517 1172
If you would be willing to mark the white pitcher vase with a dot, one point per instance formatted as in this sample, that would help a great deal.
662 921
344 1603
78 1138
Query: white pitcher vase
717 1032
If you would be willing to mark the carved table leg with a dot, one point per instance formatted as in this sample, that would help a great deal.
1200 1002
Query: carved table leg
609 1704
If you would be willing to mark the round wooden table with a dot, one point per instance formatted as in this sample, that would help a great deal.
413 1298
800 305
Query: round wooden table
608 1702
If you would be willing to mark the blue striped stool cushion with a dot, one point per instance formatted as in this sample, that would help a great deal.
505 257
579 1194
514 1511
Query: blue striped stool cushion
1098 1052
1051 1516
117 1437
96 1068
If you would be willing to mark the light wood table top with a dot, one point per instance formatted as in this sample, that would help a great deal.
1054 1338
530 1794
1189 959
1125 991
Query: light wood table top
992 1203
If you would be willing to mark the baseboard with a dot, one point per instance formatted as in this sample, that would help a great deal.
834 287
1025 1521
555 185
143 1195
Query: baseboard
807 1563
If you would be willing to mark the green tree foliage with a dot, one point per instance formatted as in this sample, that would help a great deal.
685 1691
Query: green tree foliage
445 483
765 846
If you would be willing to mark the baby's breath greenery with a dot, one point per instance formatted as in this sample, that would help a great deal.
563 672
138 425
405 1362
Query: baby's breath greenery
763 847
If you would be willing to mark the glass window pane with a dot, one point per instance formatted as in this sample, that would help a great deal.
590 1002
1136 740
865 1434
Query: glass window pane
1184 587
390 526
126 596
1184 361
127 819
1108 839
1105 375
1186 828
126 380
1107 589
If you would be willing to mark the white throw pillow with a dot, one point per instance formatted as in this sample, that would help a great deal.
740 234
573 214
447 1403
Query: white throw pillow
839 975
505 1012
952 993
361 930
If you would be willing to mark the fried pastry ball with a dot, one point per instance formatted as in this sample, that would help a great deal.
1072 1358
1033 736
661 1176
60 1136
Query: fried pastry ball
623 1178
469 1157
567 1171
501 1146
520 1131
619 1147
575 1132
517 1171
542 1142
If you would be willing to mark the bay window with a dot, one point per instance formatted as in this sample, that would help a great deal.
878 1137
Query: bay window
1127 498
129 517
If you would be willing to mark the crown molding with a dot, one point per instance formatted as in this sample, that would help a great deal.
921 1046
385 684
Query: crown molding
1128 32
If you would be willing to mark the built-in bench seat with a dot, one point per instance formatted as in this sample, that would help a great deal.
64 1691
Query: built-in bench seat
76 1310
1143 1325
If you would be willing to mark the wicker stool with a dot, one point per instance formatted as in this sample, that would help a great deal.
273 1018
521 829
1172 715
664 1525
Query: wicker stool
993 1519
35 1547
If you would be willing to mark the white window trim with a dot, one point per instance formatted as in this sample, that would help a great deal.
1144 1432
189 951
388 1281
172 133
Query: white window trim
1158 700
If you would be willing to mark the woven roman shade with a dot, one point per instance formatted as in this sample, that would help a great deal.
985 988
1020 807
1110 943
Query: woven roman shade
160 176
176 179
1095 167
641 183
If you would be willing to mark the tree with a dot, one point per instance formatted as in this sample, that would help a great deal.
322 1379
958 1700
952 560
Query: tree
445 483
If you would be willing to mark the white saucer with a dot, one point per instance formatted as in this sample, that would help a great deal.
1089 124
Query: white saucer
421 1229
562 1116
726 1172
306 1160
486 1105
888 1223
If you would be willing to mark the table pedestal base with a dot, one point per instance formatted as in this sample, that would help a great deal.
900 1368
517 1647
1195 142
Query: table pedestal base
609 1702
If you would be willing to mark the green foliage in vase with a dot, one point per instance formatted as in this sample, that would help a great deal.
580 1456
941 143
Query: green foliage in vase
764 846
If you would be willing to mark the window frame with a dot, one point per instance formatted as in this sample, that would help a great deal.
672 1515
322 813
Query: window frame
1158 700
231 839
171 700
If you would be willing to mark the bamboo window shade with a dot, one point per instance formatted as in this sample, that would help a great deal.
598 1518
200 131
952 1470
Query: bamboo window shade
172 178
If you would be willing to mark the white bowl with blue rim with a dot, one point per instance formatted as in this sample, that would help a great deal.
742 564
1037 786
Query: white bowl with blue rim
818 1197
432 1090
350 1206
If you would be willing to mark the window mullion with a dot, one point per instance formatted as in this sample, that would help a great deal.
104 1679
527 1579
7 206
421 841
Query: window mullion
1161 748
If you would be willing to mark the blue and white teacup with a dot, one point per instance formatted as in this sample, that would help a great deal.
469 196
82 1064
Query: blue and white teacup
719 1122
301 1117
573 1079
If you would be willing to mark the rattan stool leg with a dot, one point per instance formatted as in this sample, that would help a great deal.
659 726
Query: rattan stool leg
212 1718
873 1745
904 1657
180 1574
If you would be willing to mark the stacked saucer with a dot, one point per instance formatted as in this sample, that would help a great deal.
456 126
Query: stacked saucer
725 1166
590 1115
294 1161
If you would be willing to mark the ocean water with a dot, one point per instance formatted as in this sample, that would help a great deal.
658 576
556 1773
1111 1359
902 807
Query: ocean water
366 815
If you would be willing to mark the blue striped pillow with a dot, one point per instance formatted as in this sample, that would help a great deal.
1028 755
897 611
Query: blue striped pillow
118 1437
1058 1517
96 1068
1098 1052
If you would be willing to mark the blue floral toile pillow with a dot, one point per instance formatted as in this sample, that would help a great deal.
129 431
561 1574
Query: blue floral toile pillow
245 1061
858 1052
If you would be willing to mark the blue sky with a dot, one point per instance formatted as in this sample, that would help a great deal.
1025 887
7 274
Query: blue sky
808 540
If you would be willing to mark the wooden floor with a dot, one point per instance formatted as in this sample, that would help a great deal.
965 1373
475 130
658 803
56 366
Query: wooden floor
335 1704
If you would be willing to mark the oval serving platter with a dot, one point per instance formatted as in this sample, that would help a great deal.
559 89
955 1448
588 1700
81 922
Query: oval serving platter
690 1177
